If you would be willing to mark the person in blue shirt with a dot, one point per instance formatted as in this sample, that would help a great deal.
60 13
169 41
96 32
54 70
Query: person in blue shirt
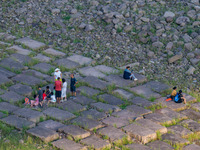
128 74
73 83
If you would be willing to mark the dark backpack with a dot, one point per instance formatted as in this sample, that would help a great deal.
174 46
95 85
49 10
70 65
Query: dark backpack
177 97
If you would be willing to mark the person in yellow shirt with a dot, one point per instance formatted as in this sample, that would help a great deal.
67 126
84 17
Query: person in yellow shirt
174 92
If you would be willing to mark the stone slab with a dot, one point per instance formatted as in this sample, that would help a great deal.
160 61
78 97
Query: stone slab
74 131
151 125
4 80
6 73
113 133
66 63
26 79
2 115
45 134
105 107
66 144
146 92
20 50
93 114
179 130
81 60
95 82
159 118
43 67
137 146
11 64
21 89
29 114
42 58
128 115
174 139
23 59
119 81
191 147
160 145
54 52
189 98
58 114
192 125
196 106
91 71
171 104
117 122
86 123
110 99
96 142
157 86
11 96
30 43
50 124
138 110
4 106
106 69
88 91
72 106
2 91
83 100
192 114
123 93
142 134
142 102
18 122
172 114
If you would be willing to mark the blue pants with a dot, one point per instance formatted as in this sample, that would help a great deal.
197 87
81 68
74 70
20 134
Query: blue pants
132 76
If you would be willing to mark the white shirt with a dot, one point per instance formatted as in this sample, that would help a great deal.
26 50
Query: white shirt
57 74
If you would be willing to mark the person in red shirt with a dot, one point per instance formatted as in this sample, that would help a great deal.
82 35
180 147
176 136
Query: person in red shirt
58 88
44 95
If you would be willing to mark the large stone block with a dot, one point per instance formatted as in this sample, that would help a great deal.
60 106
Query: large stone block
83 100
105 107
128 115
87 123
6 73
17 122
4 106
74 131
191 147
38 74
172 114
90 71
179 130
96 142
26 79
21 89
11 96
44 67
20 50
110 99
45 134
72 106
146 92
160 145
29 114
106 69
136 146
117 122
138 110
87 90
157 86
66 144
174 139
196 106
54 52
192 125
23 59
142 102
4 80
93 114
192 114
95 82
81 60
11 64
123 93
68 64
58 114
50 124
42 58
31 43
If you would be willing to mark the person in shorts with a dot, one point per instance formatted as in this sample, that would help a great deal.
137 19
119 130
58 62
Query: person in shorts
58 88
73 83
40 96
48 93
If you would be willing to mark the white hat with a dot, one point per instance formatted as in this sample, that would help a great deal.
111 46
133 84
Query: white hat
57 69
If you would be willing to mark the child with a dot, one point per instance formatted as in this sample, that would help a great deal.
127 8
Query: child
73 83
173 94
40 96
52 100
48 92
181 98
58 88
64 90
128 74
35 102
44 95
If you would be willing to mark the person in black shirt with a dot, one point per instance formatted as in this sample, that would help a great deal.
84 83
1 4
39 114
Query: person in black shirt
73 83
181 97
40 96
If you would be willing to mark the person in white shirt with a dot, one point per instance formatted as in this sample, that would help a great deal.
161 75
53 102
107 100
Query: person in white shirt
64 90
52 99
57 74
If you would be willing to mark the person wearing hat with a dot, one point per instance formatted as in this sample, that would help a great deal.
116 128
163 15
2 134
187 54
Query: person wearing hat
57 74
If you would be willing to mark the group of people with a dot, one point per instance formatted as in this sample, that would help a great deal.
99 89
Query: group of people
59 93
177 96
